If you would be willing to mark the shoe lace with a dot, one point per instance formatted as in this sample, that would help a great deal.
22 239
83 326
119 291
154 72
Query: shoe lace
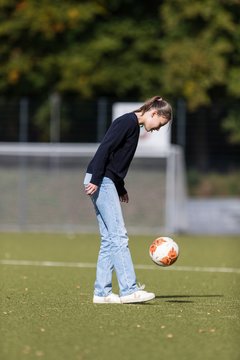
141 286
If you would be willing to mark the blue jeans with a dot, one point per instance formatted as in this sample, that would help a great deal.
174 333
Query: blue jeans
114 252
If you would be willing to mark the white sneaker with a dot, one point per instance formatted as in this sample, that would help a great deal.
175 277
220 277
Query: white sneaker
137 297
110 299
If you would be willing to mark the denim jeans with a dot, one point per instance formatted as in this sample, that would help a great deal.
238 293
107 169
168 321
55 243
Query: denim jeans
114 252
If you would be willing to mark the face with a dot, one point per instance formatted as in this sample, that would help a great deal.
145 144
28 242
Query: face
153 121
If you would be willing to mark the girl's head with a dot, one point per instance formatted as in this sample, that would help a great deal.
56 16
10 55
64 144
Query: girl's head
154 113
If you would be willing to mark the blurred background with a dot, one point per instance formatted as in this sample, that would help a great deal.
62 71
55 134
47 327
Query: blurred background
63 66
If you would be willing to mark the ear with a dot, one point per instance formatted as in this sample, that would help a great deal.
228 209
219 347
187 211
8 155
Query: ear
154 112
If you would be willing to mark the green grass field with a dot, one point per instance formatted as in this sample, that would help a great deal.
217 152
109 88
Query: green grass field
47 310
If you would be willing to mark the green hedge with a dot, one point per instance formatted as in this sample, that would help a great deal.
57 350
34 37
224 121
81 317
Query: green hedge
213 184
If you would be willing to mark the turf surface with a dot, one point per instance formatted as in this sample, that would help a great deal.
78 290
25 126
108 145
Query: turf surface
47 312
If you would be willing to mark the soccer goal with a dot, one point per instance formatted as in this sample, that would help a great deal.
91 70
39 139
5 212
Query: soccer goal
41 189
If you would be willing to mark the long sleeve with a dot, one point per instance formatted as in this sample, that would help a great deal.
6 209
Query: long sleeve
115 153
110 142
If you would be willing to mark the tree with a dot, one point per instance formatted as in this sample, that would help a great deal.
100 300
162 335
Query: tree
185 48
201 57
200 44
122 48
231 125
35 38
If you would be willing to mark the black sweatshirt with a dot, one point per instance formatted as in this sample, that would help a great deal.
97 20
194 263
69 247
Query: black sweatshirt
115 153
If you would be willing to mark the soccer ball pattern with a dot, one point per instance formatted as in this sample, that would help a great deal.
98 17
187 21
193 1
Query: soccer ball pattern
164 251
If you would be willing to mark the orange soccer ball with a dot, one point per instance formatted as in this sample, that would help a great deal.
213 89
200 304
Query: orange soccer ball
164 251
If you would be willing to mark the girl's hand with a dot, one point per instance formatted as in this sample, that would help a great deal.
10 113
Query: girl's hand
124 198
90 189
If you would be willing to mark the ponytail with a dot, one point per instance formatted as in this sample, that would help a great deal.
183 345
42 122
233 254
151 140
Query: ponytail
163 107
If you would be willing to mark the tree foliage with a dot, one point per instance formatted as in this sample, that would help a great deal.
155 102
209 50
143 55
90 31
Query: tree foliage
35 38
122 48
231 125
200 48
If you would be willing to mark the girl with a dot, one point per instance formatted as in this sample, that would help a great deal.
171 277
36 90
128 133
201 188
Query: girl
104 182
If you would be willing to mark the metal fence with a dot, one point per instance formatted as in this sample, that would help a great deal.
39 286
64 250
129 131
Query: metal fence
54 119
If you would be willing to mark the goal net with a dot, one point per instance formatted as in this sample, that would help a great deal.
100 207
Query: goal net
41 189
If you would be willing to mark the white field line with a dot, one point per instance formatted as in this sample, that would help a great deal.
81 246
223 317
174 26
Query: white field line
138 266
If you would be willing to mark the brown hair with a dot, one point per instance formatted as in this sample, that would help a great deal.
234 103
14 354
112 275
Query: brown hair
163 107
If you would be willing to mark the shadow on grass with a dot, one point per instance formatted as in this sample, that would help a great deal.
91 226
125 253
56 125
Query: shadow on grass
180 301
186 296
174 299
